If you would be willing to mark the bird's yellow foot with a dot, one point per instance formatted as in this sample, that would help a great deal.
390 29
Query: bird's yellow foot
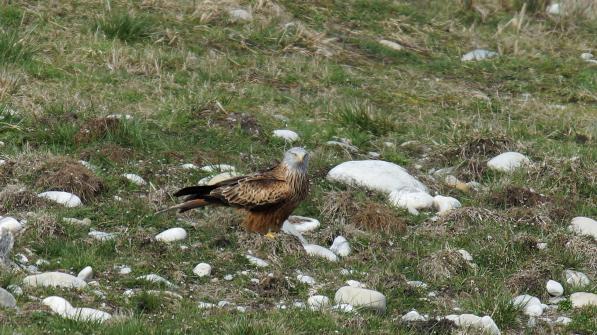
271 235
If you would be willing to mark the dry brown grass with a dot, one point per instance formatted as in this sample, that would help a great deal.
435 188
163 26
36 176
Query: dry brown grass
96 128
530 279
515 196
443 264
17 197
111 152
66 174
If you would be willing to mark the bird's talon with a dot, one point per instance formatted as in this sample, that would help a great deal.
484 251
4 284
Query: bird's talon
271 235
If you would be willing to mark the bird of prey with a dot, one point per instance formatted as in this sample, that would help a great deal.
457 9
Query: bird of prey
268 197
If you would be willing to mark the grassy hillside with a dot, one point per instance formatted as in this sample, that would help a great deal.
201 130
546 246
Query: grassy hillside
190 83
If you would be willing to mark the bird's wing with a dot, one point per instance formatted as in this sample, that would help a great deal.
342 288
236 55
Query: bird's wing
254 191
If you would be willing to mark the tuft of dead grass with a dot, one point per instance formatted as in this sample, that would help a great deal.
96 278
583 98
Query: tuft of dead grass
443 264
17 197
66 174
110 152
530 279
516 196
96 128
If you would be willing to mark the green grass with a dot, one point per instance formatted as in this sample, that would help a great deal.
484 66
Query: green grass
201 89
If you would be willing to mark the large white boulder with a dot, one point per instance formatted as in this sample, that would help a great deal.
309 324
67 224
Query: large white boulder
584 226
64 198
508 162
172 235
376 175
469 321
11 224
361 297
54 279
63 308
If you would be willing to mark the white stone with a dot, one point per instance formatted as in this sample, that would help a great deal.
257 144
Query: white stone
391 45
123 269
478 54
64 198
202 269
224 303
172 235
318 302
586 56
153 278
412 201
445 204
63 308
376 175
541 245
83 222
466 255
468 321
582 299
554 288
554 9
218 168
54 279
303 224
355 283
205 305
562 320
416 284
15 289
119 116
228 277
299 304
508 162
340 246
22 258
319 251
576 278
135 179
584 226
286 134
306 279
530 305
189 166
11 224
257 261
361 297
101 235
86 274
240 15
344 308
344 145
413 316
7 300
290 229
87 165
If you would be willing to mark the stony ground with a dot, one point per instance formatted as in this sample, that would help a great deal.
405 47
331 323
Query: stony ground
121 103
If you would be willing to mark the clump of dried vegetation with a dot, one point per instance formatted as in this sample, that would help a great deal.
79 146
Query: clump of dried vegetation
18 197
443 264
67 174
96 128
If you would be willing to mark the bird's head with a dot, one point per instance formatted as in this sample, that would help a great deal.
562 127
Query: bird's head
296 158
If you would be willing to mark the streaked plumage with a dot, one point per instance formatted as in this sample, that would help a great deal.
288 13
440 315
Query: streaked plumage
268 197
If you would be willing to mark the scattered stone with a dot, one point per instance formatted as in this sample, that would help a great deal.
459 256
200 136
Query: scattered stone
287 135
376 175
318 302
414 316
218 168
11 224
556 300
586 56
340 246
554 288
541 245
86 274
562 320
241 309
153 278
228 277
83 222
240 15
346 145
412 201
189 166
361 297
478 54
119 116
299 304
224 303
391 45
303 224
576 278
123 269
554 9
64 198
135 179
584 226
306 279
101 235
205 305
63 308
484 324
54 279
582 299
202 269
289 228
466 255
6 299
257 261
171 235
6 244
15 289
445 204
416 284
530 305
508 162
22 259
355 283
344 308
319 251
